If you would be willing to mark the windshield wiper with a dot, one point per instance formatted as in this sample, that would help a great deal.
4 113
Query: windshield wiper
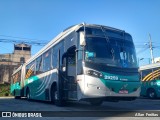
107 39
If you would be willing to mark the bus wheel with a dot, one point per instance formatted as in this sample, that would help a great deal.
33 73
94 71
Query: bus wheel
52 96
151 93
96 102
28 94
58 101
16 97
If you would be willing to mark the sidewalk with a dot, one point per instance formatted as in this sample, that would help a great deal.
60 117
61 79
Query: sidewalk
6 97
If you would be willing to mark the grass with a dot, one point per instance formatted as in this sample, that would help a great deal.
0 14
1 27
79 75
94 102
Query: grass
4 90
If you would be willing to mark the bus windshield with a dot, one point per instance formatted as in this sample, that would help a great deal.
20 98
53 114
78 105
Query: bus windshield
112 52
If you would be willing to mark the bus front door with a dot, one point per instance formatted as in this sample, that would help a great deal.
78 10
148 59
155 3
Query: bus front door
69 69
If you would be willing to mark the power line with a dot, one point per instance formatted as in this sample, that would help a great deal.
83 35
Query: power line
23 41
21 37
142 50
13 39
4 47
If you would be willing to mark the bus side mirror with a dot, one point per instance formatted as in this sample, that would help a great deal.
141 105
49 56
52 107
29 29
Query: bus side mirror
82 39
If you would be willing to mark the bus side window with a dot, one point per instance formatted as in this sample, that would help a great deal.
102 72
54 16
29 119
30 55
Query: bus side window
47 61
156 74
16 77
54 58
147 74
30 70
39 65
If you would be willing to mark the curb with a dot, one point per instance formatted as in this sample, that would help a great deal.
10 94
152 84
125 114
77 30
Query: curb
6 97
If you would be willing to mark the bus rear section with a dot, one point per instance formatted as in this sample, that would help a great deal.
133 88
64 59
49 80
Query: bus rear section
150 78
16 83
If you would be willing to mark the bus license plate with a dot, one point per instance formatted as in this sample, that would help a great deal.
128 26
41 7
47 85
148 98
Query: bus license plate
123 91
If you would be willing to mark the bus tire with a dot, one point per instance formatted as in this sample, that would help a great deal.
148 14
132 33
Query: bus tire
151 93
96 102
53 94
58 102
16 97
28 94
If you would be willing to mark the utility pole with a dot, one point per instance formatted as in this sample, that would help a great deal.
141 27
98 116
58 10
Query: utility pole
151 49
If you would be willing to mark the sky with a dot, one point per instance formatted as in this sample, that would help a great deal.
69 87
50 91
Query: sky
42 20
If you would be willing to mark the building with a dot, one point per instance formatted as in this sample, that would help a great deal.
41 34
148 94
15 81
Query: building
10 62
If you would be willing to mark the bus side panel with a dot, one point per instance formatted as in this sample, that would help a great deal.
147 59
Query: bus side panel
15 89
143 89
40 85
146 85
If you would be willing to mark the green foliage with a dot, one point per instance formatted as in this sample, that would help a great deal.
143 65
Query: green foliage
4 90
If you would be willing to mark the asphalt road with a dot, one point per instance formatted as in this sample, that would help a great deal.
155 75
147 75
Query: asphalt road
123 108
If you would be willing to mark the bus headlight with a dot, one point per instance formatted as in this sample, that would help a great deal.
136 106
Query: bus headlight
94 73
